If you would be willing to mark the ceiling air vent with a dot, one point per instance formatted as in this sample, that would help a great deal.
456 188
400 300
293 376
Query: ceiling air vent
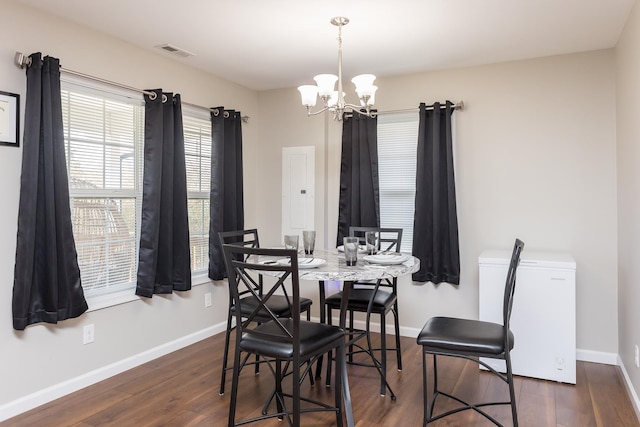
174 50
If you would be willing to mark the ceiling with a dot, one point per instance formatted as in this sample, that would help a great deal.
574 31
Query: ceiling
268 44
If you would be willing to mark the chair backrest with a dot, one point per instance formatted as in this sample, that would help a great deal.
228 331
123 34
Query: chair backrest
240 237
389 239
510 285
244 238
242 263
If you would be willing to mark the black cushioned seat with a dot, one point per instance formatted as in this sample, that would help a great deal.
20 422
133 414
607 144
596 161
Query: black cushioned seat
313 337
359 300
278 304
463 336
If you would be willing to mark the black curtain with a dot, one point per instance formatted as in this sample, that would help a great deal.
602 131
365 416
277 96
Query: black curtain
47 286
435 227
164 263
359 203
227 201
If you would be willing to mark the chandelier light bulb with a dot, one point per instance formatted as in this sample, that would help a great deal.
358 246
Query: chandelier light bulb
326 84
309 94
364 84
368 100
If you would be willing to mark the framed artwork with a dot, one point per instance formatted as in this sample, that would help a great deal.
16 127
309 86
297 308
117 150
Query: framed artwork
9 119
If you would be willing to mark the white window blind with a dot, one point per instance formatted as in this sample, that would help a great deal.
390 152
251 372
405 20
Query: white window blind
397 147
104 136
197 143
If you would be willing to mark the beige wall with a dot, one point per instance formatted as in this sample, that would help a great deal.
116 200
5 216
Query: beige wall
628 130
47 355
535 158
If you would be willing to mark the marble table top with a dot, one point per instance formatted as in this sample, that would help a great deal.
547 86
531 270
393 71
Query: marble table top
335 268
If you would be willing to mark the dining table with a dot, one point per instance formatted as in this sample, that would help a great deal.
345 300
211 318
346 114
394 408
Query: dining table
329 265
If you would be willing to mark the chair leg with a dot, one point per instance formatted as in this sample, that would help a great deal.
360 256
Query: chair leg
296 392
312 381
338 388
225 357
327 380
425 410
383 353
435 389
512 393
234 387
397 327
350 329
278 392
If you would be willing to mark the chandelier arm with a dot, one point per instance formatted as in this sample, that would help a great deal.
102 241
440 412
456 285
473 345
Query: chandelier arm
314 113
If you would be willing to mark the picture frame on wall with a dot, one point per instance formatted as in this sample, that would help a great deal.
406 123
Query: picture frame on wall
9 119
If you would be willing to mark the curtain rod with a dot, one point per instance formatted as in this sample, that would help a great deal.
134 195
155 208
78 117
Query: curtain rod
456 106
23 61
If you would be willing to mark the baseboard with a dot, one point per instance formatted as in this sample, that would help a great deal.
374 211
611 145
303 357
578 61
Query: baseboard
632 392
31 401
596 357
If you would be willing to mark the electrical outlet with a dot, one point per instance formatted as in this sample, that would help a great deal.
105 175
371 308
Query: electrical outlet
88 334
637 357
207 299
559 363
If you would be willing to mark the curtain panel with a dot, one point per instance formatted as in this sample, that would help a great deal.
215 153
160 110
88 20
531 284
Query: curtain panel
227 198
164 262
435 229
47 286
359 202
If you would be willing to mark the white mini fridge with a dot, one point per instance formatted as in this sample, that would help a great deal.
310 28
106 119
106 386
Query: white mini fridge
543 319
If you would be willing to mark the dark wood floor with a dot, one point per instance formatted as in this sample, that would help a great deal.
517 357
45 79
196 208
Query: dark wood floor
181 389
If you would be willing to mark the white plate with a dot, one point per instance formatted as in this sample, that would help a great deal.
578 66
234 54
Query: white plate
362 249
304 262
386 259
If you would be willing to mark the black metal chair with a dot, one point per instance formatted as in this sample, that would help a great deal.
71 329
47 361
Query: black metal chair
378 297
471 339
279 304
289 345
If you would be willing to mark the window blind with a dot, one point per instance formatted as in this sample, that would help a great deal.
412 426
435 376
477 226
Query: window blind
197 142
104 136
397 146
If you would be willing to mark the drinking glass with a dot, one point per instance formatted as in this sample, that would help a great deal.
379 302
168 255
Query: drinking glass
372 241
309 241
291 242
351 250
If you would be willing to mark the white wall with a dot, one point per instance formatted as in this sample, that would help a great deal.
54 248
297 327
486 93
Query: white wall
535 160
628 130
47 355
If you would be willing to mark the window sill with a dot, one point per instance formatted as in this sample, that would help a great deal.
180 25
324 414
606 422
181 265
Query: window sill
126 296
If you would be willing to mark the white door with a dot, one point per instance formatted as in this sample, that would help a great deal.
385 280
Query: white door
298 190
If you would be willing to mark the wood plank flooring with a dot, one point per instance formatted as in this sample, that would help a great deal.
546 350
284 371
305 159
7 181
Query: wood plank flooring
181 389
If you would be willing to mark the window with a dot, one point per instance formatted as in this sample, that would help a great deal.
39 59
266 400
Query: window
397 148
197 144
104 137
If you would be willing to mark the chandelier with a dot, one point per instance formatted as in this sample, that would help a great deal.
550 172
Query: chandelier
332 99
